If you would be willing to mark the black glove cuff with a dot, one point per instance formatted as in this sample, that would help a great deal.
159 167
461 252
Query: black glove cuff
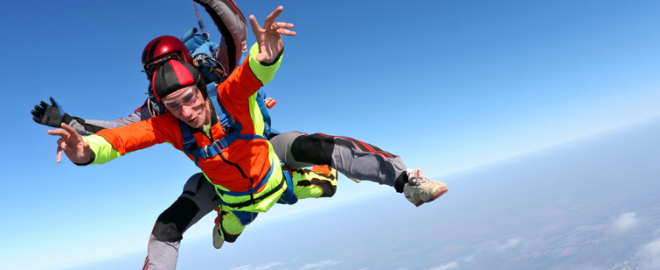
67 119
91 159
276 59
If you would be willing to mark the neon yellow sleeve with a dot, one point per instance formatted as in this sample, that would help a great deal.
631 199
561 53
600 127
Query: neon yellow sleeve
256 114
101 148
264 73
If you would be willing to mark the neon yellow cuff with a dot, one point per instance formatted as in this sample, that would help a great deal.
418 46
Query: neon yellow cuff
101 148
264 73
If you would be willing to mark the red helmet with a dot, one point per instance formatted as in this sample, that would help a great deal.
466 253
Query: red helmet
160 47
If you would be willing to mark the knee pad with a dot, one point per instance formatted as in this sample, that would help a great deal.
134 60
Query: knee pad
172 223
315 149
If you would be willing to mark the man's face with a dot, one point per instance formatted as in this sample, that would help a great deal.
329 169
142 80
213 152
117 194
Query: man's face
188 105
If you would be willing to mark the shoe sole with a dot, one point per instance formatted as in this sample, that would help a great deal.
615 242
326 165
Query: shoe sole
432 199
217 238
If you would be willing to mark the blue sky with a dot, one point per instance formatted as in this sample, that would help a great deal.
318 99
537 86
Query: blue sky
448 85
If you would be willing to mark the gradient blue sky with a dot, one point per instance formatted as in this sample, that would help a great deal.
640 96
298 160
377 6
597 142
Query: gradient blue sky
448 85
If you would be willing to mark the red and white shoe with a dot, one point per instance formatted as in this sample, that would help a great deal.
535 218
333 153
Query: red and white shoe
420 190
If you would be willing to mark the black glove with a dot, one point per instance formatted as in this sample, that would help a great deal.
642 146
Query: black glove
50 115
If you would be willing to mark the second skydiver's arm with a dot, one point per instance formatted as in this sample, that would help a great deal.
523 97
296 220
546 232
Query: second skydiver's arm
232 25
54 116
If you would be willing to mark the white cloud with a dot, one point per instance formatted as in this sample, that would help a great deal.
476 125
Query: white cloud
320 264
495 246
511 243
259 267
447 266
650 255
625 222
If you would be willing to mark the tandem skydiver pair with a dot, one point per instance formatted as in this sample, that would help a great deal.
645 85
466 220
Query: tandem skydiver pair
240 183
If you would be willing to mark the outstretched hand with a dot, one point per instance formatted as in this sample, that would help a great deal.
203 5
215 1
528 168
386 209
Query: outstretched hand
270 36
49 115
71 143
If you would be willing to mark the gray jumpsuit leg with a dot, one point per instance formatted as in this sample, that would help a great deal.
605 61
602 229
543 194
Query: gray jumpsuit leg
198 199
353 158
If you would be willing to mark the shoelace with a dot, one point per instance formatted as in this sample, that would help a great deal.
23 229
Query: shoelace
418 178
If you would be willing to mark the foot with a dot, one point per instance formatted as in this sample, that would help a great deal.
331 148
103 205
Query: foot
420 190
217 238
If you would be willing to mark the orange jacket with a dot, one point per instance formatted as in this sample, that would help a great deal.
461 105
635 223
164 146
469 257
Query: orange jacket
239 167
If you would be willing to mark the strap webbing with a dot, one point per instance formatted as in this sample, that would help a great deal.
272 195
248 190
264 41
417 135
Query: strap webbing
255 200
289 197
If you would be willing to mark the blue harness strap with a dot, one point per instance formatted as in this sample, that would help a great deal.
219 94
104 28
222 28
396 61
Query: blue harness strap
288 197
261 95
208 151
223 115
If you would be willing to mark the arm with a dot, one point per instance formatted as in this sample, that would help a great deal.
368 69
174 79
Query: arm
232 25
109 144
54 116
264 60
94 126
238 92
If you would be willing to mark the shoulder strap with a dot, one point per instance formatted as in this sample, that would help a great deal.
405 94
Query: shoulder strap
223 116
261 96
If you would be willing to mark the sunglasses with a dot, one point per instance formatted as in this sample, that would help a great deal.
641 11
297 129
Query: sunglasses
151 67
188 98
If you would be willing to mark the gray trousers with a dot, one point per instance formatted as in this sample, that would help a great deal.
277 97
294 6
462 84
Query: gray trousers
351 157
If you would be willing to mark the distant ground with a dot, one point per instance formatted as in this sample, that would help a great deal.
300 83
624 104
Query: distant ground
593 204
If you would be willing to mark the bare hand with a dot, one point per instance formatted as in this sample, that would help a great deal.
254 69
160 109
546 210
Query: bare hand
71 143
270 37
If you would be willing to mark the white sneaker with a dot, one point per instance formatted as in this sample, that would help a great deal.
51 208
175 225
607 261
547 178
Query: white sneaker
420 190
217 238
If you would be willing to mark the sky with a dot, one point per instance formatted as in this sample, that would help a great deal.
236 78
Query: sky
447 85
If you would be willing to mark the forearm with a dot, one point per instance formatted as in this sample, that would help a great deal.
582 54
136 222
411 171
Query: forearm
102 150
263 72
89 126
134 137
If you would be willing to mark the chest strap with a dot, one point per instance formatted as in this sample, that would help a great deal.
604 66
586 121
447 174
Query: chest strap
208 151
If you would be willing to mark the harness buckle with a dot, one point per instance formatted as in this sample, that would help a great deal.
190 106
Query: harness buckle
206 152
217 148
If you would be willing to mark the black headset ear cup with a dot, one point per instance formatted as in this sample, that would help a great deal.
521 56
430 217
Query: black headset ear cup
155 108
160 108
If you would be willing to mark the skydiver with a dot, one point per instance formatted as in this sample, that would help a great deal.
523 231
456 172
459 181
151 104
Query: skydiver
297 148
